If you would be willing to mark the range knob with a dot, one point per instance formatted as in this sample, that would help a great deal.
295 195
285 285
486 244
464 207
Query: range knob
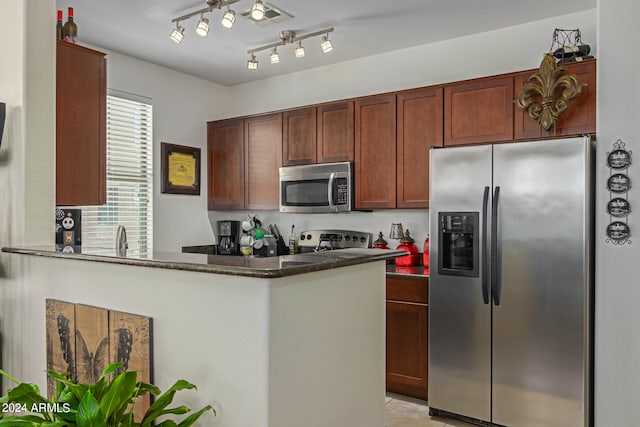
362 240
355 238
308 236
302 237
346 237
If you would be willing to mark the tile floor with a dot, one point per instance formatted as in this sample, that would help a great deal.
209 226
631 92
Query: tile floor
401 411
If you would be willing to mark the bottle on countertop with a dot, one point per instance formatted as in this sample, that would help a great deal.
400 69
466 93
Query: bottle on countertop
59 31
407 244
70 29
293 241
425 252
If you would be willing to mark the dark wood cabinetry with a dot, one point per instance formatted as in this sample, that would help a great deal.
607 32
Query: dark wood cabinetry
81 115
335 132
263 158
299 136
225 160
580 117
407 336
419 128
479 111
375 149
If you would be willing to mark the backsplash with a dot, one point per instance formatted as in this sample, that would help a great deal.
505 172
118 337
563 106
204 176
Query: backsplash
416 220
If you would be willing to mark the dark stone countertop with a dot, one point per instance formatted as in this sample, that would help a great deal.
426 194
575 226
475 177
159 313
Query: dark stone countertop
249 266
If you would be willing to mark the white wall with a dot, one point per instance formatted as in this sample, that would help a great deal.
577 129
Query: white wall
182 105
617 283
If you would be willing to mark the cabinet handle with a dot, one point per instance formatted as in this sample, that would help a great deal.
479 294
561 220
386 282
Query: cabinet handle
485 247
495 249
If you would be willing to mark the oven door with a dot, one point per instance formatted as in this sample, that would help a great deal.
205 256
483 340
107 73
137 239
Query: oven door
310 192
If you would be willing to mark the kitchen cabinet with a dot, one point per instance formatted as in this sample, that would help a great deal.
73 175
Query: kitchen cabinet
580 117
263 158
299 136
225 160
81 114
479 111
335 122
407 335
419 127
375 152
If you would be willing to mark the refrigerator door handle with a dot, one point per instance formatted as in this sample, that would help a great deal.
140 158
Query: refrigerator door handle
495 248
485 247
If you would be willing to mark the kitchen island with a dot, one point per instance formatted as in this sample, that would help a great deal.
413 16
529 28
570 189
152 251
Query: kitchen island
296 340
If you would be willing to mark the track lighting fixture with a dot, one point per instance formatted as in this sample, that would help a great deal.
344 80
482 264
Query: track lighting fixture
202 28
257 10
290 37
177 34
252 63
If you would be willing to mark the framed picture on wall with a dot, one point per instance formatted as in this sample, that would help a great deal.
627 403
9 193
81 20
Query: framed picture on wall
180 169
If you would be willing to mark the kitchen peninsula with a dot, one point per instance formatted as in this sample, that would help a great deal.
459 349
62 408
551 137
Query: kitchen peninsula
288 341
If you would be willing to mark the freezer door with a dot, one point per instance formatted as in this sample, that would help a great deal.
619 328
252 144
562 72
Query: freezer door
541 320
459 310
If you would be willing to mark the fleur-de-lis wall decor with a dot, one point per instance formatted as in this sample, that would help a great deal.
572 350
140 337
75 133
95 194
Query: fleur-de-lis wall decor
543 86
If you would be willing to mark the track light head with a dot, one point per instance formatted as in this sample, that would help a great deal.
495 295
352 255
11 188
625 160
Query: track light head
252 64
326 44
275 56
177 34
228 19
299 50
257 10
202 29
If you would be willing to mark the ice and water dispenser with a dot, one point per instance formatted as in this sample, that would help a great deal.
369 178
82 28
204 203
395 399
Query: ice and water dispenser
458 242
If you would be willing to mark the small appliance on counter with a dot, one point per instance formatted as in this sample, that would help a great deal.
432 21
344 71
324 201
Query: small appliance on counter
322 240
228 233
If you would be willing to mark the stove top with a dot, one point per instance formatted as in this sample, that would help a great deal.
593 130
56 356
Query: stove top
311 240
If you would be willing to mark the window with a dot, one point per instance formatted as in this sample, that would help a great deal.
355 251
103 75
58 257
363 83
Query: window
129 180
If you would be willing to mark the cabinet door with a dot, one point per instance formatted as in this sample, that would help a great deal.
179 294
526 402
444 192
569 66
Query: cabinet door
407 363
335 132
479 111
375 143
419 129
81 114
299 136
580 117
263 158
225 160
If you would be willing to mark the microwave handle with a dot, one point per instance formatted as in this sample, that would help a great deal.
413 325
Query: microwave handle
332 178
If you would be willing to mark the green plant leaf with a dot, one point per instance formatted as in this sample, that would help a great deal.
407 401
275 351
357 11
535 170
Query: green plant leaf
56 424
167 423
111 368
118 393
18 421
156 409
144 388
4 374
191 419
27 394
89 414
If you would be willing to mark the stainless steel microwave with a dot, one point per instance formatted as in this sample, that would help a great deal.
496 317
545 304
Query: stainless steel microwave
320 188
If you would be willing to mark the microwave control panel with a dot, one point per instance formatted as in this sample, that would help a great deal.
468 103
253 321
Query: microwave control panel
343 191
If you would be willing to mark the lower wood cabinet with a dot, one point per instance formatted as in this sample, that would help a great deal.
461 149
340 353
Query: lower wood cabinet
407 335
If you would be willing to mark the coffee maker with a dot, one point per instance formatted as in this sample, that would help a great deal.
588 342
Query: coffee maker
228 233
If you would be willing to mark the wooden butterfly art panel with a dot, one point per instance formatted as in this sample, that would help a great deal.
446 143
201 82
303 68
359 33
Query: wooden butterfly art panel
82 340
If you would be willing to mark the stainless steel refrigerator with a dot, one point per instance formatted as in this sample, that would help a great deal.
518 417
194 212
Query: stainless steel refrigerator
510 283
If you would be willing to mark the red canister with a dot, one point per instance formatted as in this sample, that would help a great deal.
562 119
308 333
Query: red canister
425 252
408 244
381 244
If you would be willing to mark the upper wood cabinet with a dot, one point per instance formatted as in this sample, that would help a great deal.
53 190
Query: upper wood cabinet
419 128
225 160
81 115
299 136
479 111
580 117
263 158
375 144
335 132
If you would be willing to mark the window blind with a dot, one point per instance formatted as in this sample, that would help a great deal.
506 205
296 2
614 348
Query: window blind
129 181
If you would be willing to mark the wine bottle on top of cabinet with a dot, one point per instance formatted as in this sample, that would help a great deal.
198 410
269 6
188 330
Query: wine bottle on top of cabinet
70 28
59 31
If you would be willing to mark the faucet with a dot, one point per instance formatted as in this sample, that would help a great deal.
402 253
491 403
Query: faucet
121 241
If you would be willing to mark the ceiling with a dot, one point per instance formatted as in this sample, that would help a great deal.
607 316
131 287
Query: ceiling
140 28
